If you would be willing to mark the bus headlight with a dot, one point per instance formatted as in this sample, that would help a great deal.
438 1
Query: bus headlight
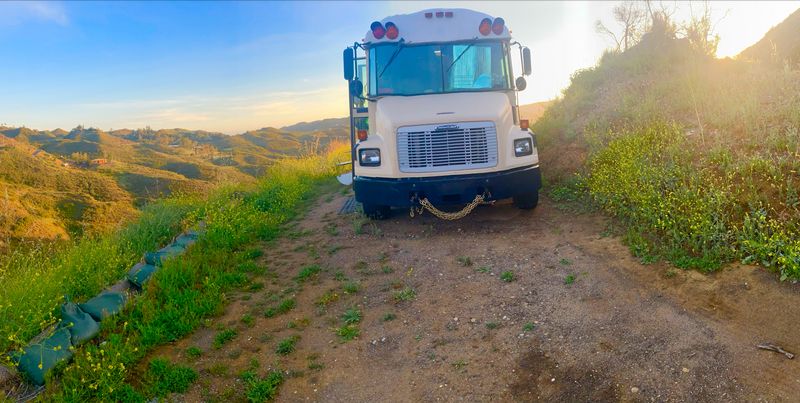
369 157
523 147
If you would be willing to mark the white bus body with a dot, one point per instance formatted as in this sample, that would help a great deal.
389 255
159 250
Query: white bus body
434 113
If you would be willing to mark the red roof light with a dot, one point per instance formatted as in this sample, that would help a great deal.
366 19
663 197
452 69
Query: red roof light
391 31
498 26
485 27
377 30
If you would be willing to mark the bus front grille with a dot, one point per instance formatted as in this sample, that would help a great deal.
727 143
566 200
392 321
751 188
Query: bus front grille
447 147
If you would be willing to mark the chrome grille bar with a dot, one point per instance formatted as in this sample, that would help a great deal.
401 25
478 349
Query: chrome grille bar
446 147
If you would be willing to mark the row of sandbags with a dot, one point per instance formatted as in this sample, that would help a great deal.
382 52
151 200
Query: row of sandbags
81 322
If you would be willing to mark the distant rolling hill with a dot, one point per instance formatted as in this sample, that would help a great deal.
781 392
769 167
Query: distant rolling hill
323 125
534 111
59 184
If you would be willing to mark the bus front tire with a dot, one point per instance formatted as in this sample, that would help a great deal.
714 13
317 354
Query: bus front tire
527 201
376 211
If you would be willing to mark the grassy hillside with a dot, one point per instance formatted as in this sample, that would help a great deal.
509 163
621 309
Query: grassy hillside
180 296
781 45
41 199
697 156
52 190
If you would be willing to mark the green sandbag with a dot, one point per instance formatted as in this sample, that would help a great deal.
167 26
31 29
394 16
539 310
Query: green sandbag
81 326
139 274
38 359
185 240
167 252
104 305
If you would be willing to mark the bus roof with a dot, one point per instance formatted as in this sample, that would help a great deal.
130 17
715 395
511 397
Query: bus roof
437 25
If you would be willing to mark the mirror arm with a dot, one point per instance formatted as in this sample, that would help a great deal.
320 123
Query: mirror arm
521 57
366 98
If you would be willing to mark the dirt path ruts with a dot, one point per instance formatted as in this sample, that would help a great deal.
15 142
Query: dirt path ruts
620 332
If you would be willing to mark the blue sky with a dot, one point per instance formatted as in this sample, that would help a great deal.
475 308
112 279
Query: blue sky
232 67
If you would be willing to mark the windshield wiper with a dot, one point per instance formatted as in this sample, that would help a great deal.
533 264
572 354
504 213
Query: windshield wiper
400 47
461 54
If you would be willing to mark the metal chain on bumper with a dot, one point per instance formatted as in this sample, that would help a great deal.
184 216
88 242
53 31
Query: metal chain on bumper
425 204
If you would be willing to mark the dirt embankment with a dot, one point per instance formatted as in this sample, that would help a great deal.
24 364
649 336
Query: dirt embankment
581 320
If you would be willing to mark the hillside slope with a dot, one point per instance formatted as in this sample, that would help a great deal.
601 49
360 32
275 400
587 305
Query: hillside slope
42 199
697 156
780 45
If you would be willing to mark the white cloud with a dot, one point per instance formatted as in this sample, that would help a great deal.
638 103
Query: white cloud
14 13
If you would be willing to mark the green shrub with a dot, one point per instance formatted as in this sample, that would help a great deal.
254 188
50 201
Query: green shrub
285 306
194 352
770 243
406 294
164 377
307 272
264 390
287 345
224 337
347 332
646 177
351 287
351 316
695 156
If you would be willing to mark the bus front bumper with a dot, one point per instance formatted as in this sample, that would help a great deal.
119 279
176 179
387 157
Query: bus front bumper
446 190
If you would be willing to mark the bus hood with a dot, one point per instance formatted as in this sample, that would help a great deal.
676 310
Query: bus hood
393 112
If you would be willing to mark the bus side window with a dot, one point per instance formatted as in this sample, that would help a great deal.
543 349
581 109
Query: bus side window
372 80
360 75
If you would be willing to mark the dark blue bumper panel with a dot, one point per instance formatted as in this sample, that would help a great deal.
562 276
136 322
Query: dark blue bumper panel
446 190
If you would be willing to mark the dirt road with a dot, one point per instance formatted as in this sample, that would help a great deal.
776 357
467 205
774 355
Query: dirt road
581 319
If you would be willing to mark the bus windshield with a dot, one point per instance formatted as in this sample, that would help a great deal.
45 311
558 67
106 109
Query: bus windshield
398 69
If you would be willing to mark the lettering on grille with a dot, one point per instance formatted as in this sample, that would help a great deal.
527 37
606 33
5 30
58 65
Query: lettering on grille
446 147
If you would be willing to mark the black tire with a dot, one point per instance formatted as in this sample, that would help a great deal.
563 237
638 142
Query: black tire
375 211
527 201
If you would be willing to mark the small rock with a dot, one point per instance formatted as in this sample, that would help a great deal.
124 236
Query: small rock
634 390
553 380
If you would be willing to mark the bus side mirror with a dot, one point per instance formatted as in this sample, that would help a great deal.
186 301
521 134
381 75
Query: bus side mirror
521 83
347 61
526 61
356 88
